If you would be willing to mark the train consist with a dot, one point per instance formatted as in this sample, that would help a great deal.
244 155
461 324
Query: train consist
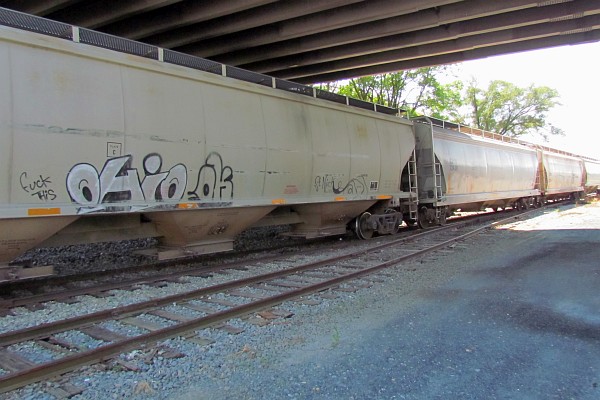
102 139
469 169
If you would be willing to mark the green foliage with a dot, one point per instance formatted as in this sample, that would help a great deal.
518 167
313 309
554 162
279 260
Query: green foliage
415 91
503 107
446 102
507 109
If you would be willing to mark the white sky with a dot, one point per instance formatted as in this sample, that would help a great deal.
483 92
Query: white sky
574 71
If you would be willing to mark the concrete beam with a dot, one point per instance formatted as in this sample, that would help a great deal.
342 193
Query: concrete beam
180 14
391 25
475 54
310 25
96 13
255 17
514 19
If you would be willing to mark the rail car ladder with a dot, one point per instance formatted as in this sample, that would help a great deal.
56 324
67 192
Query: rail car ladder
437 168
413 187
438 193
540 181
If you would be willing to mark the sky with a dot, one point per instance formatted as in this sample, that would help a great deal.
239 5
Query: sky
574 71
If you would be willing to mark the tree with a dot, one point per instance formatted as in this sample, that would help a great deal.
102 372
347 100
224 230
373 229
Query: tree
507 109
502 108
416 91
446 102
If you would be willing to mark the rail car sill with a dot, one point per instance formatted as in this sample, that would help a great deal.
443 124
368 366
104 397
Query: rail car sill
170 252
311 233
12 273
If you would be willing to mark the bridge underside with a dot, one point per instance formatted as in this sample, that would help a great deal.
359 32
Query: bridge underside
325 40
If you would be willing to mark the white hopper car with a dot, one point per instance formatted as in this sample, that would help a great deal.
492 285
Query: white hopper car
592 170
102 139
466 169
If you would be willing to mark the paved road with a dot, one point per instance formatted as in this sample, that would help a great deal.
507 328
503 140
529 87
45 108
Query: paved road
518 319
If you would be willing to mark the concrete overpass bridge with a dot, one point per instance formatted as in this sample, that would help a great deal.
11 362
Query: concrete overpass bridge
310 41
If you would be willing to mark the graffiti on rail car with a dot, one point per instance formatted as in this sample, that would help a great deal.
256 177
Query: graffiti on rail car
118 181
215 180
39 186
333 183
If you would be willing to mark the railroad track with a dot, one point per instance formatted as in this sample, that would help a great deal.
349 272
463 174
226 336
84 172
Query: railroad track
61 288
38 284
187 313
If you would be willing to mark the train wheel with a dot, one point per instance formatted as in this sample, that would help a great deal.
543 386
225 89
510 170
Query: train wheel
424 224
362 228
423 221
519 205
